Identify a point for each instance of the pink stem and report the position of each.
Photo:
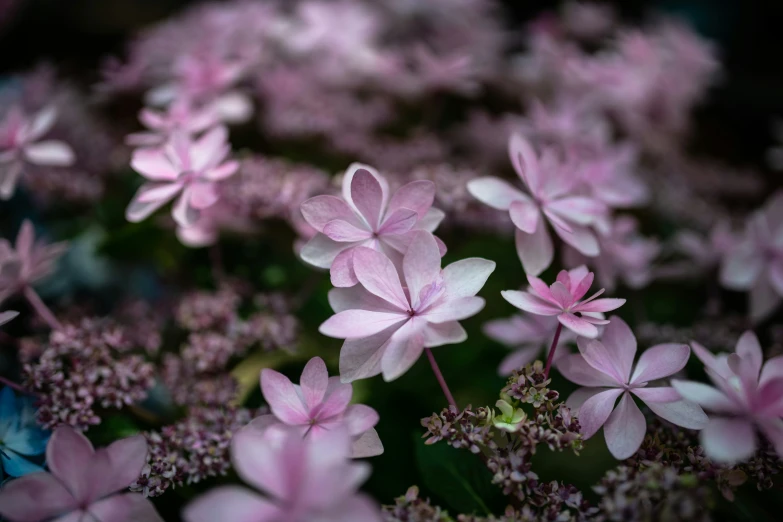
(15, 386)
(41, 309)
(552, 349)
(441, 380)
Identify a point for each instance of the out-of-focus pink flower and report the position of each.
(568, 122)
(450, 72)
(7, 316)
(562, 299)
(20, 143)
(180, 116)
(185, 167)
(318, 404)
(702, 254)
(747, 396)
(551, 199)
(387, 327)
(604, 369)
(27, 262)
(303, 480)
(625, 255)
(756, 262)
(610, 175)
(367, 217)
(588, 20)
(527, 335)
(83, 483)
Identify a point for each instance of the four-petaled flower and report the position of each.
(319, 403)
(83, 483)
(386, 326)
(747, 396)
(186, 167)
(562, 299)
(604, 368)
(367, 217)
(20, 143)
(551, 197)
(303, 480)
(20, 436)
(180, 116)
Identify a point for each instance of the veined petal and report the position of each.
(596, 410)
(404, 349)
(313, 382)
(233, 503)
(438, 334)
(321, 251)
(281, 396)
(454, 309)
(417, 196)
(421, 264)
(343, 231)
(355, 324)
(400, 221)
(153, 164)
(361, 358)
(530, 303)
(368, 196)
(574, 368)
(525, 215)
(660, 361)
(377, 274)
(320, 210)
(495, 192)
(620, 342)
(466, 277)
(578, 325)
(624, 430)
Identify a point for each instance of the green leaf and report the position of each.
(457, 477)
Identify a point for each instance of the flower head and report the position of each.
(550, 197)
(318, 404)
(367, 217)
(20, 143)
(190, 169)
(303, 479)
(81, 482)
(563, 299)
(605, 369)
(386, 326)
(747, 396)
(20, 436)
(180, 116)
(27, 261)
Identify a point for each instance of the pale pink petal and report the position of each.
(431, 221)
(360, 418)
(581, 284)
(203, 195)
(525, 215)
(342, 273)
(535, 250)
(597, 356)
(600, 305)
(561, 295)
(351, 171)
(595, 410)
(581, 238)
(524, 160)
(741, 268)
(577, 370)
(361, 358)
(368, 196)
(234, 107)
(619, 341)
(416, 196)
(313, 382)
(466, 277)
(404, 349)
(450, 332)
(454, 310)
(9, 177)
(357, 297)
(709, 360)
(66, 455)
(222, 171)
(773, 431)
(35, 497)
(624, 430)
(25, 239)
(321, 251)
(281, 396)
(335, 402)
(728, 440)
(540, 289)
(772, 369)
(367, 445)
(320, 210)
(530, 303)
(210, 149)
(495, 192)
(749, 349)
(343, 231)
(258, 459)
(378, 275)
(52, 153)
(776, 277)
(578, 325)
(153, 164)
(233, 503)
(660, 361)
(399, 222)
(421, 264)
(769, 398)
(763, 300)
(130, 507)
(118, 465)
(578, 209)
(139, 210)
(152, 192)
(184, 213)
(666, 403)
(7, 316)
(511, 331)
(42, 122)
(580, 396)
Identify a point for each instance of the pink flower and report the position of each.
(303, 480)
(83, 483)
(7, 316)
(27, 262)
(604, 368)
(367, 217)
(527, 335)
(756, 262)
(180, 116)
(386, 326)
(185, 167)
(20, 143)
(562, 299)
(319, 404)
(747, 396)
(610, 174)
(550, 198)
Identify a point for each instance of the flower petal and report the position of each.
(154, 165)
(597, 356)
(313, 382)
(581, 238)
(529, 303)
(367, 445)
(495, 192)
(525, 161)
(660, 361)
(682, 413)
(360, 418)
(367, 196)
(417, 196)
(233, 503)
(130, 507)
(118, 465)
(454, 309)
(342, 274)
(52, 153)
(728, 440)
(377, 274)
(399, 222)
(620, 342)
(624, 430)
(525, 215)
(421, 264)
(320, 210)
(336, 401)
(139, 210)
(580, 396)
(345, 232)
(748, 348)
(39, 496)
(404, 349)
(281, 396)
(595, 410)
(66, 455)
(578, 325)
(466, 277)
(535, 250)
(321, 251)
(361, 358)
(450, 332)
(574, 368)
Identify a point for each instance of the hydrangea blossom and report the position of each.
(27, 262)
(184, 167)
(550, 198)
(318, 404)
(20, 436)
(20, 143)
(387, 327)
(746, 397)
(755, 264)
(527, 335)
(605, 367)
(180, 116)
(303, 480)
(367, 217)
(563, 299)
(82, 482)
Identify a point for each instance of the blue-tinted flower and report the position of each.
(20, 437)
